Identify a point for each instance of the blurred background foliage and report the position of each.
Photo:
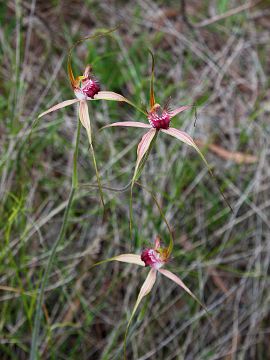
(214, 54)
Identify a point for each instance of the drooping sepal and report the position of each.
(145, 290)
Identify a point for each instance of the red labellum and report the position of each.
(90, 86)
(87, 86)
(156, 257)
(159, 118)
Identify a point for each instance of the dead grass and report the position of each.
(220, 63)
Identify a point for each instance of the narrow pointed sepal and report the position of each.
(179, 110)
(145, 290)
(143, 147)
(126, 258)
(179, 282)
(130, 258)
(135, 124)
(85, 120)
(58, 106)
(110, 95)
(180, 135)
(113, 96)
(187, 139)
(184, 137)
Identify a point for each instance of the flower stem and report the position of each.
(75, 157)
(40, 299)
(96, 171)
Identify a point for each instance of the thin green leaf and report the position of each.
(171, 243)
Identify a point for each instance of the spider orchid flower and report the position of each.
(87, 87)
(154, 258)
(159, 120)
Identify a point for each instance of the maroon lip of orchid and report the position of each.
(154, 257)
(90, 86)
(87, 86)
(159, 118)
(159, 121)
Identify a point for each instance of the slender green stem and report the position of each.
(96, 170)
(136, 107)
(171, 242)
(40, 299)
(75, 157)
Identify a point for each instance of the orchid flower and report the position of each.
(86, 87)
(159, 120)
(155, 258)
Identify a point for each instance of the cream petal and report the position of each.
(84, 117)
(85, 120)
(187, 139)
(129, 258)
(110, 95)
(129, 124)
(179, 282)
(145, 290)
(182, 136)
(144, 145)
(59, 106)
(126, 258)
(179, 110)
